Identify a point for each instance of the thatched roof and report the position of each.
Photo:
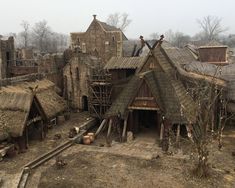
(179, 56)
(124, 63)
(226, 72)
(16, 101)
(51, 102)
(164, 92)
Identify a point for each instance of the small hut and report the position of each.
(25, 110)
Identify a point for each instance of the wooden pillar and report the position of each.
(178, 134)
(124, 130)
(189, 131)
(165, 141)
(131, 120)
(161, 133)
(108, 139)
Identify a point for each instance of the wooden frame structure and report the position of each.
(100, 89)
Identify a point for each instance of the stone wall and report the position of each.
(7, 55)
(76, 75)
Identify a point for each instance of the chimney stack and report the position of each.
(94, 16)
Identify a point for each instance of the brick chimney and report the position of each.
(94, 16)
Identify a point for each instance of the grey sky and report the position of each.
(147, 16)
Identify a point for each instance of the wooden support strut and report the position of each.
(100, 127)
(108, 140)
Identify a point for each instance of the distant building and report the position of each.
(100, 39)
(7, 55)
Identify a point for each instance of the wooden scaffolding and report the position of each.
(100, 89)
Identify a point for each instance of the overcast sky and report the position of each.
(147, 16)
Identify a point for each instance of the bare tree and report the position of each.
(211, 27)
(25, 33)
(178, 39)
(118, 20)
(41, 32)
(154, 35)
(210, 107)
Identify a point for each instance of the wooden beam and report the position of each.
(100, 127)
(38, 118)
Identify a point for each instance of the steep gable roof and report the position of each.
(161, 88)
(109, 28)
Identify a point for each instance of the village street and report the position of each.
(139, 163)
(10, 168)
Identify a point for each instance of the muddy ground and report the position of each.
(94, 166)
(10, 168)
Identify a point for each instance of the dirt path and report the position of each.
(138, 164)
(10, 168)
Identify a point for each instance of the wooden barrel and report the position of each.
(92, 136)
(86, 140)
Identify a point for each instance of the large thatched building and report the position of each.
(158, 95)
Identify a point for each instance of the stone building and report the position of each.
(6, 56)
(76, 75)
(100, 39)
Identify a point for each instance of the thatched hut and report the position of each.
(25, 110)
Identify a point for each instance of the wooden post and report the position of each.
(178, 134)
(26, 137)
(189, 132)
(100, 127)
(131, 120)
(108, 139)
(124, 130)
(161, 133)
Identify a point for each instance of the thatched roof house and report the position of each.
(155, 94)
(26, 101)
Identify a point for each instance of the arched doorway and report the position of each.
(84, 103)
